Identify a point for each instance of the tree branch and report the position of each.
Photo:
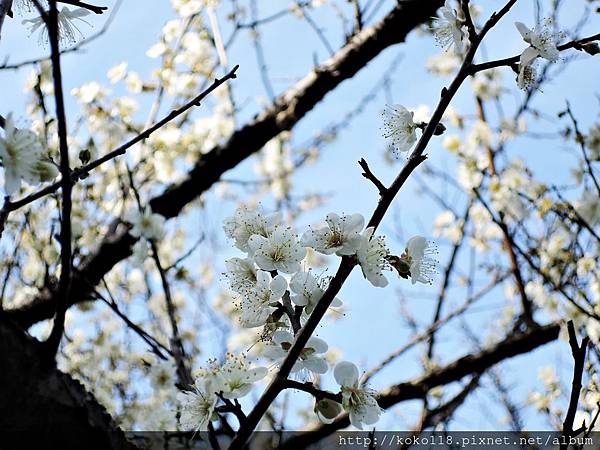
(348, 263)
(369, 175)
(472, 364)
(578, 353)
(66, 185)
(59, 409)
(282, 115)
(513, 60)
(95, 9)
(312, 390)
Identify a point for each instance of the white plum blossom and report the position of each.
(186, 8)
(306, 291)
(279, 251)
(67, 30)
(310, 359)
(117, 73)
(21, 155)
(541, 43)
(89, 92)
(449, 29)
(488, 85)
(448, 225)
(371, 256)
(418, 255)
(247, 222)
(399, 127)
(198, 405)
(257, 302)
(148, 225)
(233, 379)
(358, 402)
(161, 374)
(241, 274)
(341, 235)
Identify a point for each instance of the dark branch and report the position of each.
(369, 175)
(417, 389)
(312, 390)
(95, 9)
(66, 186)
(578, 352)
(514, 60)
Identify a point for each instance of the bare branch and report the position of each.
(476, 363)
(581, 141)
(578, 352)
(95, 9)
(369, 175)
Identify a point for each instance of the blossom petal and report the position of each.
(315, 364)
(525, 32)
(528, 55)
(318, 345)
(278, 287)
(346, 374)
(281, 336)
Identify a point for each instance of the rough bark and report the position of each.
(42, 407)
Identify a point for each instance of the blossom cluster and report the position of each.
(450, 31)
(228, 381)
(275, 288)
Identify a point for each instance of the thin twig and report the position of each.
(447, 275)
(177, 350)
(464, 4)
(185, 376)
(369, 175)
(581, 141)
(526, 304)
(154, 344)
(82, 172)
(95, 9)
(312, 390)
(514, 60)
(4, 212)
(578, 353)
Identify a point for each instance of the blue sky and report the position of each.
(290, 48)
